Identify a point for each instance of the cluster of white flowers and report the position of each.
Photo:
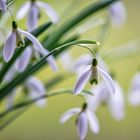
(87, 68)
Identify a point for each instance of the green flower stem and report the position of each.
(48, 95)
(32, 69)
(5, 122)
(57, 34)
(36, 33)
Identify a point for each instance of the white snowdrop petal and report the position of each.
(23, 61)
(82, 125)
(9, 47)
(135, 84)
(134, 98)
(37, 89)
(34, 40)
(118, 13)
(93, 122)
(10, 74)
(3, 5)
(40, 102)
(134, 91)
(108, 80)
(50, 60)
(81, 82)
(36, 85)
(116, 104)
(49, 11)
(10, 99)
(67, 115)
(32, 19)
(23, 11)
(40, 49)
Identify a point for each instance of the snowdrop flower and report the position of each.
(15, 39)
(84, 116)
(36, 89)
(21, 64)
(134, 92)
(118, 13)
(115, 102)
(91, 74)
(3, 5)
(29, 54)
(33, 9)
(10, 74)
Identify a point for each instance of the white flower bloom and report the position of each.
(92, 74)
(23, 61)
(3, 5)
(134, 91)
(15, 39)
(33, 15)
(10, 74)
(102, 94)
(84, 116)
(23, 10)
(49, 11)
(33, 9)
(36, 89)
(29, 53)
(9, 47)
(118, 13)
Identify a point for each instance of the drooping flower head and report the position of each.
(84, 117)
(33, 88)
(102, 95)
(15, 39)
(92, 74)
(33, 9)
(36, 89)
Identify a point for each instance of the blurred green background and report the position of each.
(43, 123)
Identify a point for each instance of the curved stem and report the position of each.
(12, 15)
(30, 102)
(93, 53)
